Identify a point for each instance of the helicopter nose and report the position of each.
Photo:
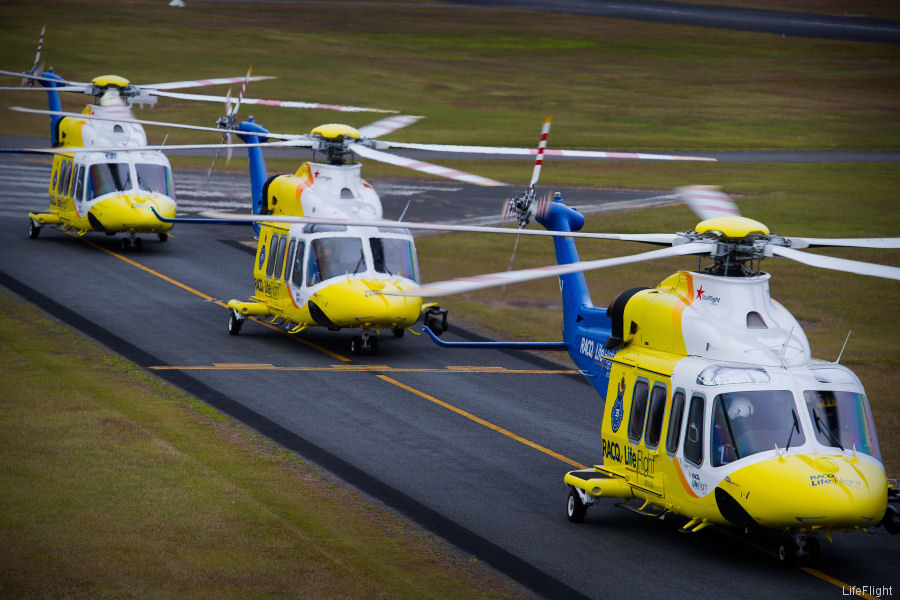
(805, 491)
(362, 303)
(127, 212)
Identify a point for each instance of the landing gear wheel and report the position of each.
(126, 244)
(364, 344)
(575, 508)
(435, 319)
(356, 345)
(163, 237)
(398, 332)
(373, 346)
(34, 229)
(234, 323)
(137, 244)
(783, 551)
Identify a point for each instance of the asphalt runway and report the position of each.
(471, 444)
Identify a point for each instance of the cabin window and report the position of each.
(842, 419)
(333, 257)
(297, 272)
(638, 411)
(78, 189)
(395, 256)
(67, 180)
(106, 178)
(675, 416)
(273, 250)
(693, 439)
(63, 178)
(55, 175)
(655, 416)
(279, 262)
(154, 178)
(745, 423)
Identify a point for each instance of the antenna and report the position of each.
(841, 353)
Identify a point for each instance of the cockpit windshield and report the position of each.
(842, 420)
(333, 257)
(395, 256)
(106, 178)
(745, 423)
(154, 178)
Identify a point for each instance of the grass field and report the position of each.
(480, 77)
(117, 485)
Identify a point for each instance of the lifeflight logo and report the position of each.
(701, 295)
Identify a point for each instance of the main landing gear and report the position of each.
(235, 322)
(132, 243)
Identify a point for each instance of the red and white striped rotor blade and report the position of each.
(37, 57)
(548, 152)
(708, 201)
(175, 85)
(279, 103)
(386, 125)
(542, 145)
(424, 167)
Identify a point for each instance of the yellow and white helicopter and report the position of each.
(325, 257)
(95, 184)
(714, 408)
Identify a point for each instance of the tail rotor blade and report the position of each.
(539, 158)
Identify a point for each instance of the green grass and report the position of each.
(117, 485)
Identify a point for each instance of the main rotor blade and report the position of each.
(662, 238)
(175, 85)
(161, 147)
(280, 103)
(547, 152)
(386, 125)
(805, 242)
(418, 165)
(146, 122)
(40, 78)
(837, 264)
(707, 201)
(65, 88)
(480, 282)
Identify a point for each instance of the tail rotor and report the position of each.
(228, 123)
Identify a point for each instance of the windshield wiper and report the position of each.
(821, 426)
(794, 427)
(362, 258)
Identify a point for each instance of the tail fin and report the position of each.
(53, 102)
(255, 134)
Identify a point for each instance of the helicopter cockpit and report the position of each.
(110, 177)
(824, 407)
(337, 252)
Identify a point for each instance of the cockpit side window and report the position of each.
(333, 257)
(78, 188)
(297, 272)
(638, 411)
(64, 178)
(693, 440)
(395, 256)
(842, 420)
(273, 250)
(106, 178)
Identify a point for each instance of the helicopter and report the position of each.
(325, 257)
(714, 409)
(96, 186)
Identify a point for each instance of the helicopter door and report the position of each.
(78, 189)
(648, 405)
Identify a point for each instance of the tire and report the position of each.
(356, 345)
(34, 229)
(126, 244)
(138, 244)
(575, 508)
(234, 324)
(373, 346)
(398, 332)
(163, 237)
(783, 552)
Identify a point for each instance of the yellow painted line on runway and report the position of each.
(360, 369)
(209, 298)
(481, 421)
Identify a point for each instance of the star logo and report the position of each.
(316, 174)
(700, 292)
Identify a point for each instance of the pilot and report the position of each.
(739, 409)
